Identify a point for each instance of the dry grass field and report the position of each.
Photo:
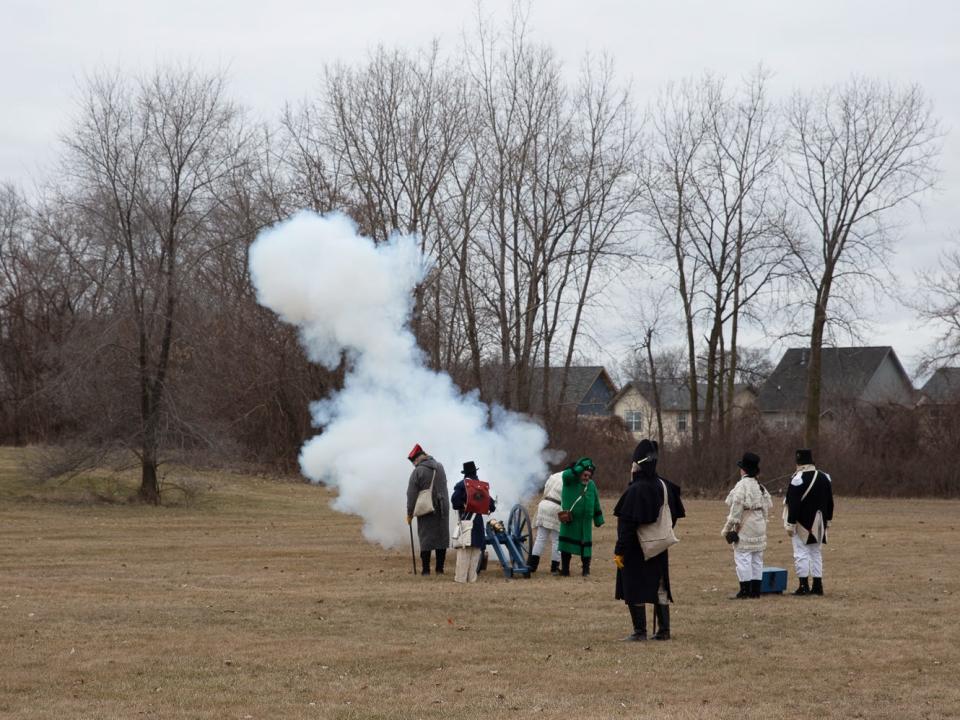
(255, 600)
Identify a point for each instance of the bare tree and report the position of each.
(519, 186)
(858, 152)
(679, 130)
(381, 143)
(939, 305)
(736, 224)
(608, 194)
(556, 186)
(524, 136)
(16, 295)
(144, 159)
(649, 361)
(753, 366)
(42, 291)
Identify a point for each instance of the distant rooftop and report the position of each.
(943, 387)
(846, 372)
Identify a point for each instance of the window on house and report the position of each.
(681, 422)
(634, 420)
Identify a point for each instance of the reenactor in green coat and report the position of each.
(579, 513)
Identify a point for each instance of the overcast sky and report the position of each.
(274, 51)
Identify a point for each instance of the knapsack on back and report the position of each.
(478, 496)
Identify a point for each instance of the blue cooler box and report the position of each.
(774, 580)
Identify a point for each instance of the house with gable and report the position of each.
(636, 404)
(943, 388)
(587, 393)
(853, 379)
(939, 402)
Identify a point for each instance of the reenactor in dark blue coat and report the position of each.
(808, 511)
(642, 580)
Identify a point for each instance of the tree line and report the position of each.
(127, 317)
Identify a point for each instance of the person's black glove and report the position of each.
(732, 537)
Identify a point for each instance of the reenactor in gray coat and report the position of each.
(433, 528)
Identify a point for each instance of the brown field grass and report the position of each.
(257, 601)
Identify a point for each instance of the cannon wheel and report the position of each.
(521, 530)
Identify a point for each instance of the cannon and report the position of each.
(512, 542)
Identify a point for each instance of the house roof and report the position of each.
(674, 394)
(579, 381)
(943, 387)
(845, 374)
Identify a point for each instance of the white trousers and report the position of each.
(807, 559)
(467, 561)
(543, 536)
(749, 564)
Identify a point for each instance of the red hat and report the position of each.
(417, 450)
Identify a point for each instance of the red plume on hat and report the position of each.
(417, 450)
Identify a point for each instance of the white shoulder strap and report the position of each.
(806, 492)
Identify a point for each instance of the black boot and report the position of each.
(638, 614)
(661, 614)
(441, 559)
(425, 561)
(804, 588)
(586, 565)
(565, 564)
(755, 588)
(744, 591)
(482, 565)
(554, 567)
(817, 586)
(533, 562)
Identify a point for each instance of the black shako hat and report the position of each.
(645, 451)
(804, 457)
(469, 469)
(750, 463)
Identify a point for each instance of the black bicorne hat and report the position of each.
(804, 457)
(469, 469)
(645, 451)
(750, 463)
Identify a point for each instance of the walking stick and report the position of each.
(413, 555)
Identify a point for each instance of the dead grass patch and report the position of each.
(259, 601)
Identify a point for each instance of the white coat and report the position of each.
(750, 505)
(550, 504)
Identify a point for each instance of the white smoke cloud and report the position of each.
(350, 296)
